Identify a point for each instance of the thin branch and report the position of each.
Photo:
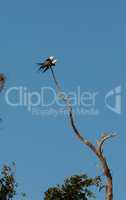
(98, 151)
(71, 115)
(105, 137)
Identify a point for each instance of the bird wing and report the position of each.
(39, 64)
(42, 65)
(48, 59)
(45, 69)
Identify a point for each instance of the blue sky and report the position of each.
(88, 38)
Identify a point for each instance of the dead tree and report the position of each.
(96, 149)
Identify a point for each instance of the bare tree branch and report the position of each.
(2, 81)
(97, 150)
(104, 137)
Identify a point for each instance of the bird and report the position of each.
(48, 63)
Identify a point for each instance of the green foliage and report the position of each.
(7, 182)
(74, 188)
(78, 187)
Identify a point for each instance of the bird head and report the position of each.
(51, 57)
(54, 62)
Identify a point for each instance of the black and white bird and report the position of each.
(48, 63)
